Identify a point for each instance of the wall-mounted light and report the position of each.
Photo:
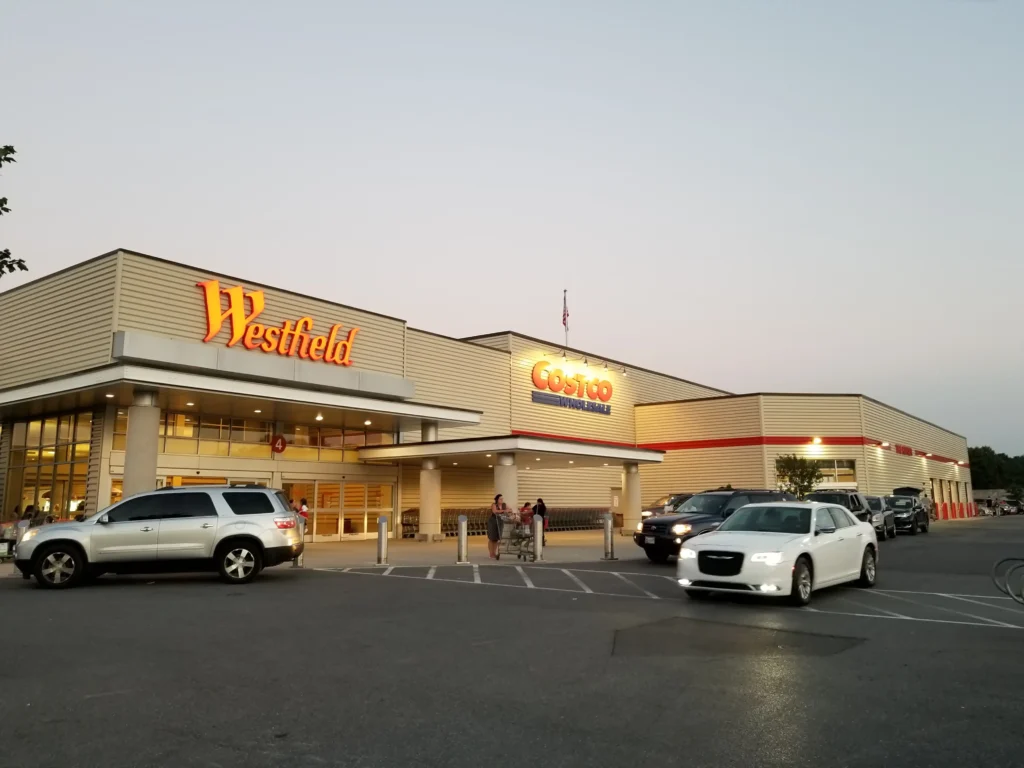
(816, 441)
(367, 422)
(885, 445)
(319, 417)
(928, 455)
(189, 404)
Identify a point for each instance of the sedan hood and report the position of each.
(745, 541)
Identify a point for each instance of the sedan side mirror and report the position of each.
(104, 519)
(820, 531)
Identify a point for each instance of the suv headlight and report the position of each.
(639, 527)
(680, 528)
(686, 554)
(768, 558)
(876, 518)
(30, 534)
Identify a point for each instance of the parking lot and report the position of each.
(597, 664)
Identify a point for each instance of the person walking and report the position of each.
(494, 527)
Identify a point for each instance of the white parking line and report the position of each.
(476, 573)
(950, 610)
(579, 583)
(999, 625)
(873, 608)
(940, 594)
(1018, 611)
(525, 577)
(649, 594)
(431, 572)
(389, 570)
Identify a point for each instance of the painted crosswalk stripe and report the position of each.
(635, 586)
(579, 583)
(432, 571)
(525, 577)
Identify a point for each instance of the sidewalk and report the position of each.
(570, 547)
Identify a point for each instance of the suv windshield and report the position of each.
(875, 503)
(769, 520)
(704, 503)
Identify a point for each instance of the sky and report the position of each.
(757, 195)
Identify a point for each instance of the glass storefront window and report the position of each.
(83, 428)
(64, 425)
(34, 430)
(837, 470)
(48, 468)
(120, 430)
(49, 431)
(18, 435)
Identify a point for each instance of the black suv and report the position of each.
(854, 501)
(661, 536)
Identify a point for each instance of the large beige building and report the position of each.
(157, 373)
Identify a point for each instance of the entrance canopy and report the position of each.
(529, 452)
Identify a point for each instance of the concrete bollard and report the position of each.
(538, 538)
(382, 540)
(463, 553)
(609, 539)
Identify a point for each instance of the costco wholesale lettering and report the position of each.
(288, 339)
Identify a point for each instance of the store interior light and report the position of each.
(189, 404)
(110, 395)
(319, 417)
(455, 463)
(487, 455)
(367, 422)
(257, 411)
(490, 466)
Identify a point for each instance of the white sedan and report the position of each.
(784, 549)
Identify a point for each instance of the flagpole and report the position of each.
(565, 316)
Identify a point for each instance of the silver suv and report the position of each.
(237, 531)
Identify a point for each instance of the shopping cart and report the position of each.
(516, 537)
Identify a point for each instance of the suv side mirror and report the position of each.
(819, 531)
(104, 519)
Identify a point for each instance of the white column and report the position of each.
(506, 479)
(428, 431)
(430, 502)
(630, 506)
(142, 444)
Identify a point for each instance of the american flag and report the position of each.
(565, 310)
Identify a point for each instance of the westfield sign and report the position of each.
(290, 339)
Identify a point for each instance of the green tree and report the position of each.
(797, 475)
(7, 263)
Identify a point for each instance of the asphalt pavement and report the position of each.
(589, 664)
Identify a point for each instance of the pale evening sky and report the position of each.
(758, 195)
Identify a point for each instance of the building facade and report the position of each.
(156, 373)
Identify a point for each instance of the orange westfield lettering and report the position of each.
(578, 385)
(290, 339)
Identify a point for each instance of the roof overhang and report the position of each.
(530, 452)
(287, 403)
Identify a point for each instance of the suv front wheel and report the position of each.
(239, 562)
(59, 566)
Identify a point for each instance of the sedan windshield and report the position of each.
(769, 520)
(900, 502)
(704, 503)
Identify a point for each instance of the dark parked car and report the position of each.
(909, 513)
(661, 536)
(666, 505)
(882, 517)
(853, 500)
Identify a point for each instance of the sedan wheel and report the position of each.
(803, 583)
(868, 568)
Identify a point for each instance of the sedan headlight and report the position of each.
(768, 558)
(680, 528)
(30, 534)
(686, 554)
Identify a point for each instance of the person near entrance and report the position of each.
(498, 508)
(540, 509)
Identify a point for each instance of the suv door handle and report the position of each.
(206, 525)
(147, 529)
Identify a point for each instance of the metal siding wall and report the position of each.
(92, 480)
(618, 426)
(854, 452)
(583, 487)
(890, 470)
(5, 457)
(59, 325)
(702, 469)
(460, 488)
(889, 425)
(502, 341)
(460, 375)
(162, 298)
(702, 420)
(796, 416)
